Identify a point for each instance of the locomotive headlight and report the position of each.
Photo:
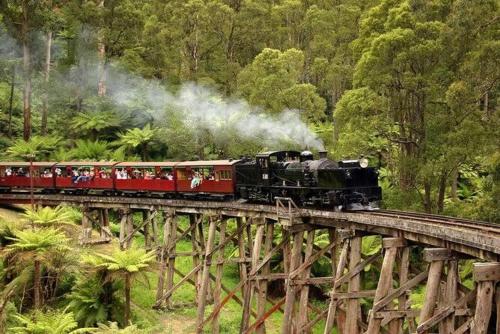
(363, 162)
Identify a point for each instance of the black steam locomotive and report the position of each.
(349, 184)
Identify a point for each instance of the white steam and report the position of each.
(201, 108)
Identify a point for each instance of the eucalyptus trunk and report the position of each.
(11, 98)
(27, 76)
(441, 192)
(427, 196)
(101, 51)
(45, 106)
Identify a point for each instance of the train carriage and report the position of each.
(214, 178)
(145, 177)
(17, 175)
(76, 176)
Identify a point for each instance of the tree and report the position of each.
(273, 82)
(91, 150)
(22, 18)
(138, 138)
(47, 216)
(94, 122)
(127, 265)
(37, 245)
(411, 98)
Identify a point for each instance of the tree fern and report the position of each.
(127, 264)
(48, 322)
(47, 216)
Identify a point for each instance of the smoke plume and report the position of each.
(203, 108)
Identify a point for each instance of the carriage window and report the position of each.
(204, 173)
(224, 175)
(47, 173)
(166, 173)
(103, 173)
(19, 171)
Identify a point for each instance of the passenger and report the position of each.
(136, 174)
(8, 171)
(75, 176)
(124, 174)
(58, 172)
(196, 181)
(47, 173)
(211, 176)
(91, 175)
(170, 176)
(148, 175)
(103, 174)
(21, 172)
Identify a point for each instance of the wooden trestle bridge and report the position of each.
(262, 232)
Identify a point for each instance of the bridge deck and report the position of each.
(476, 239)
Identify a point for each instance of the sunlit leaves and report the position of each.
(48, 216)
(37, 148)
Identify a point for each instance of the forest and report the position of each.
(413, 85)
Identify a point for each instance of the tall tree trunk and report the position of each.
(101, 50)
(27, 75)
(454, 184)
(441, 191)
(11, 98)
(127, 299)
(45, 106)
(37, 282)
(427, 196)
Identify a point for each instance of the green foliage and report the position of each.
(138, 138)
(272, 80)
(47, 216)
(37, 148)
(93, 301)
(94, 122)
(132, 260)
(91, 150)
(47, 322)
(36, 243)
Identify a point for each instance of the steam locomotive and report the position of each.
(348, 184)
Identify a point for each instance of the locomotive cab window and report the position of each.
(263, 163)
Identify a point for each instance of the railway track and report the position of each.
(442, 220)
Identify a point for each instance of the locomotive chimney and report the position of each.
(323, 154)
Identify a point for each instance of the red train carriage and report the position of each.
(17, 175)
(215, 178)
(73, 176)
(145, 177)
